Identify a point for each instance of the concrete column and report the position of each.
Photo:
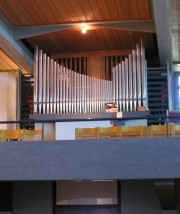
(139, 197)
(33, 197)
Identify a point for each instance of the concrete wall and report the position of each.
(92, 159)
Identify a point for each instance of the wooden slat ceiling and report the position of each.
(6, 64)
(22, 13)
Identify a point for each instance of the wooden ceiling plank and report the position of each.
(10, 13)
(117, 39)
(124, 37)
(63, 10)
(54, 42)
(104, 10)
(72, 40)
(87, 10)
(113, 10)
(45, 12)
(95, 40)
(120, 10)
(116, 46)
(134, 9)
(6, 62)
(95, 9)
(88, 41)
(77, 8)
(25, 18)
(91, 53)
(126, 8)
(144, 9)
(82, 41)
(70, 11)
(101, 39)
(31, 13)
(109, 40)
(35, 12)
(137, 37)
(54, 7)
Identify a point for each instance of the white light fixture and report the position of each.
(84, 29)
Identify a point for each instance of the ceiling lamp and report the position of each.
(84, 29)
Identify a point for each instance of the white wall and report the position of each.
(8, 91)
(86, 192)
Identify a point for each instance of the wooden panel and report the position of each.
(96, 66)
(7, 64)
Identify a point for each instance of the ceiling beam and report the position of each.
(137, 25)
(15, 49)
(162, 20)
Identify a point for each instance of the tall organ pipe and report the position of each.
(58, 90)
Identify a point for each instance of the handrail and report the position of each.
(162, 118)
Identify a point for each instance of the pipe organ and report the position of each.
(130, 81)
(58, 90)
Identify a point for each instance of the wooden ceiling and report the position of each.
(6, 64)
(29, 13)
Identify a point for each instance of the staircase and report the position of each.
(157, 86)
(27, 91)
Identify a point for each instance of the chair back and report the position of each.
(162, 130)
(146, 131)
(176, 131)
(10, 135)
(108, 132)
(86, 133)
(31, 135)
(131, 131)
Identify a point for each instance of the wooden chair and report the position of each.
(10, 135)
(86, 133)
(108, 132)
(131, 132)
(0, 135)
(31, 135)
(146, 131)
(162, 130)
(176, 131)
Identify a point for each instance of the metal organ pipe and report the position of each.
(58, 90)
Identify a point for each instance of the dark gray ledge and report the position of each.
(88, 116)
